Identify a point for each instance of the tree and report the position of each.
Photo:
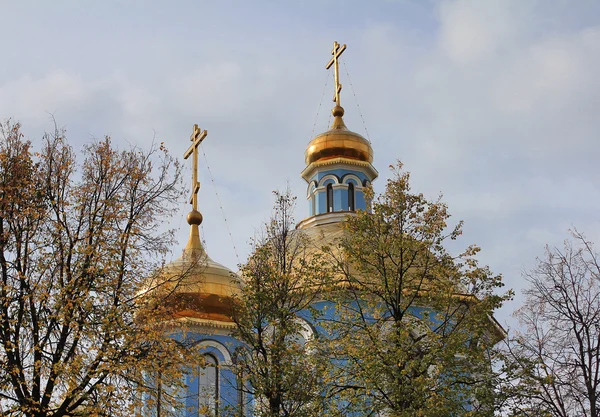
(76, 241)
(414, 327)
(554, 364)
(283, 277)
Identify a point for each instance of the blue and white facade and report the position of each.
(338, 171)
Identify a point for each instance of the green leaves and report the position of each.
(411, 315)
(404, 326)
(283, 277)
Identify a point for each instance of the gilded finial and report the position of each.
(336, 52)
(194, 218)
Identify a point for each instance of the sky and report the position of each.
(492, 103)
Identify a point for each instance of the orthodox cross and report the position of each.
(336, 52)
(197, 137)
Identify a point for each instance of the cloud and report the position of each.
(494, 103)
(496, 107)
(472, 30)
(37, 96)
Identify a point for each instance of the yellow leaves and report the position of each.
(75, 246)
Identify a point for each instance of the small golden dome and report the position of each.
(204, 289)
(338, 142)
(194, 286)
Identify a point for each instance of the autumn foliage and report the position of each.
(77, 238)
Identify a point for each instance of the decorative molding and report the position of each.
(310, 189)
(223, 328)
(340, 187)
(341, 163)
(325, 218)
(316, 191)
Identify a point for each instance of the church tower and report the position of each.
(198, 295)
(338, 165)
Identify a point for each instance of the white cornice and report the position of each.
(335, 163)
(325, 218)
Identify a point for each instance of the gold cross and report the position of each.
(336, 52)
(197, 137)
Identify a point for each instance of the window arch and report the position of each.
(306, 334)
(329, 198)
(351, 204)
(208, 387)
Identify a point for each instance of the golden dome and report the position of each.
(194, 286)
(338, 142)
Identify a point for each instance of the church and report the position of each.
(339, 168)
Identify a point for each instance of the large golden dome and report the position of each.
(338, 142)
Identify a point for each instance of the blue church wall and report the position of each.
(222, 349)
(326, 311)
(338, 198)
(321, 202)
(360, 202)
(427, 316)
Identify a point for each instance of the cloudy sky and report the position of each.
(495, 104)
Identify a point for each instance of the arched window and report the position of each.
(329, 198)
(208, 387)
(350, 197)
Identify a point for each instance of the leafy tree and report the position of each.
(76, 241)
(413, 331)
(283, 277)
(553, 366)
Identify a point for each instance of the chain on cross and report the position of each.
(197, 137)
(336, 52)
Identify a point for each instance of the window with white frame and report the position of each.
(351, 204)
(208, 387)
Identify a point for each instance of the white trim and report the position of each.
(306, 330)
(319, 189)
(220, 347)
(325, 218)
(336, 186)
(310, 190)
(327, 177)
(352, 177)
(315, 191)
